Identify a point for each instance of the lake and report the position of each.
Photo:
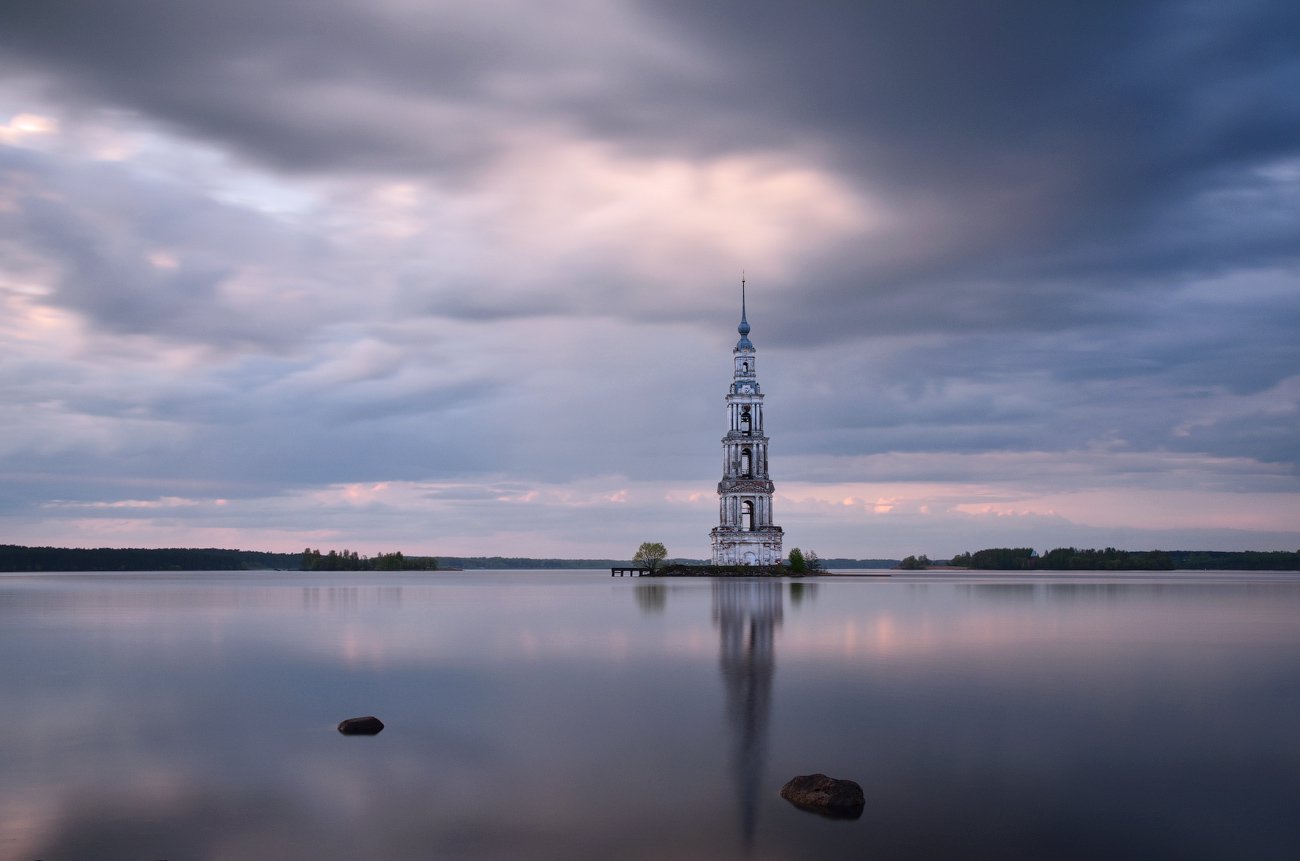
(571, 715)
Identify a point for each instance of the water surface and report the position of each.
(574, 715)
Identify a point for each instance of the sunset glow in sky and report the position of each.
(463, 278)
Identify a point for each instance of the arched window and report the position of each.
(746, 516)
(744, 419)
(746, 463)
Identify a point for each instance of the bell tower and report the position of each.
(745, 534)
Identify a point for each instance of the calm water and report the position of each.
(565, 715)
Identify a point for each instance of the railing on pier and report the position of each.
(628, 572)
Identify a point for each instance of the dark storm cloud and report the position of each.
(1040, 161)
(1049, 160)
(141, 256)
(372, 87)
(1017, 97)
(243, 72)
(1215, 384)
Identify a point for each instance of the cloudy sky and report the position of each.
(463, 277)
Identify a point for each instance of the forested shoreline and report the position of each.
(1110, 559)
(348, 560)
(16, 558)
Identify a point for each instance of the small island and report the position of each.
(649, 562)
(677, 569)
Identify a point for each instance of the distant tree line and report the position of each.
(14, 557)
(348, 560)
(17, 558)
(1244, 560)
(1110, 559)
(839, 563)
(1064, 559)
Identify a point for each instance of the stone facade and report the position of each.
(745, 534)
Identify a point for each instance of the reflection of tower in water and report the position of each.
(747, 613)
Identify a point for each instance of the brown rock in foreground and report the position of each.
(369, 725)
(838, 799)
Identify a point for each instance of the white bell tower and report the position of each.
(745, 534)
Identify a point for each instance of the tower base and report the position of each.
(733, 546)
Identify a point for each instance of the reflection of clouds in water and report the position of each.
(213, 820)
(209, 732)
(188, 825)
(996, 616)
(747, 613)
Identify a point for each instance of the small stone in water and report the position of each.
(369, 725)
(829, 796)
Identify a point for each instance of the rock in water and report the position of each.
(838, 799)
(369, 725)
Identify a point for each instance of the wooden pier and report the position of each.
(628, 572)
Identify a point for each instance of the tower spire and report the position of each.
(743, 328)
